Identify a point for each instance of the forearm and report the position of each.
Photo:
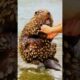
(51, 35)
(57, 29)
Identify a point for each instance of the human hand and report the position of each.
(51, 31)
(46, 29)
(51, 35)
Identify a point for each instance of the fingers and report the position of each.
(51, 35)
(46, 29)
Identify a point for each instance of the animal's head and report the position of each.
(44, 17)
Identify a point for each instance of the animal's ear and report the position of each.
(37, 12)
(48, 13)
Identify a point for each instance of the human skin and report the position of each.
(70, 28)
(51, 31)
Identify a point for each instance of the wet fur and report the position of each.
(34, 45)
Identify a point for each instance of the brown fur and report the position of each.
(34, 45)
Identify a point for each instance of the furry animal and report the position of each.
(34, 45)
